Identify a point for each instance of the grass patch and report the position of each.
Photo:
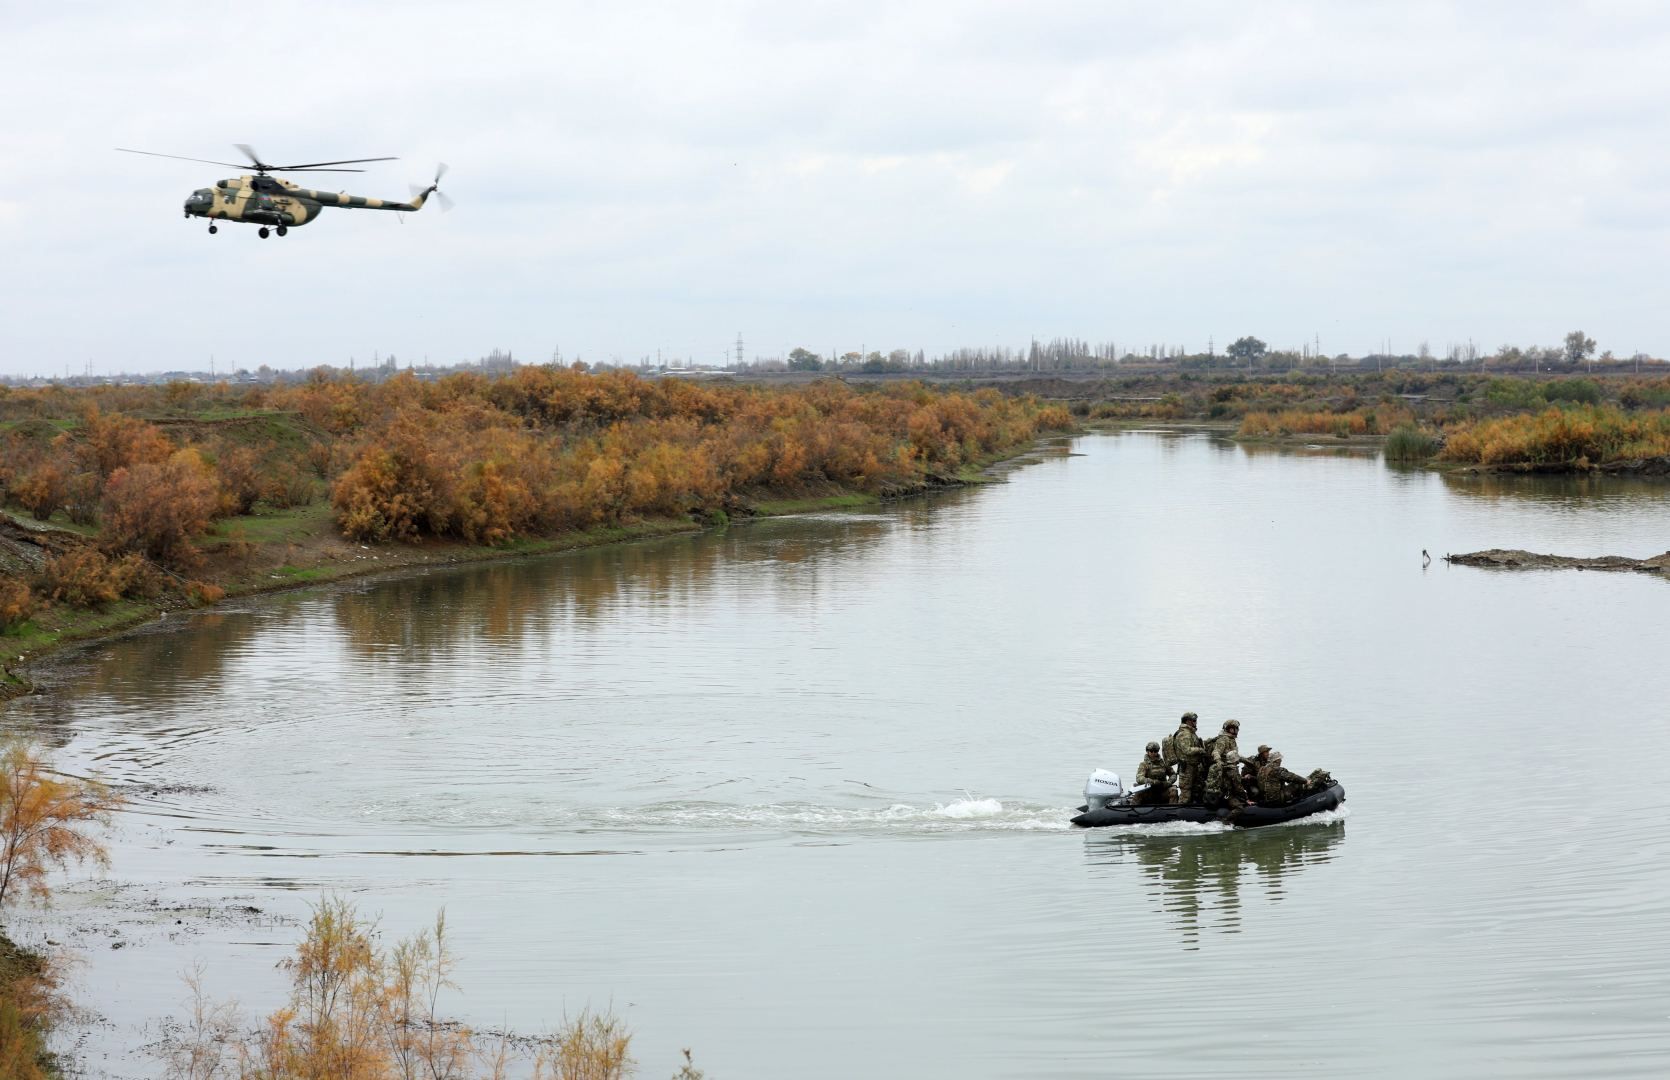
(1409, 443)
(60, 624)
(272, 526)
(304, 573)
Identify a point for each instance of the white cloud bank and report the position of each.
(638, 177)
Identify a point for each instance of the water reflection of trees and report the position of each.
(1198, 878)
(179, 656)
(1320, 448)
(504, 602)
(1558, 489)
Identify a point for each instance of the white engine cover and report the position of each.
(1102, 788)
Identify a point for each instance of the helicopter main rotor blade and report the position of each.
(177, 157)
(316, 164)
(254, 158)
(274, 168)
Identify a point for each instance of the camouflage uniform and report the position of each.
(1157, 775)
(1223, 782)
(1191, 764)
(1224, 744)
(1277, 786)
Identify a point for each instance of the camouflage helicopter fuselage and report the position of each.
(267, 200)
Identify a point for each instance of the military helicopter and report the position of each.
(268, 201)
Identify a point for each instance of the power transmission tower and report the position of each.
(739, 348)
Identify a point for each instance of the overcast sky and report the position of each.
(633, 178)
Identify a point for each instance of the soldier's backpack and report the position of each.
(1168, 749)
(1210, 745)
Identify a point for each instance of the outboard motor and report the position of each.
(1102, 790)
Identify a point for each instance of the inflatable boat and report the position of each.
(1107, 803)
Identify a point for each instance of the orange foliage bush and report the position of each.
(241, 479)
(548, 449)
(114, 441)
(157, 509)
(1596, 433)
(286, 485)
(86, 578)
(42, 490)
(17, 603)
(1356, 421)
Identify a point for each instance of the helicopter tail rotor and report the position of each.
(434, 188)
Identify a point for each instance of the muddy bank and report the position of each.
(1506, 559)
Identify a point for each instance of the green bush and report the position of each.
(1580, 391)
(1516, 393)
(1409, 443)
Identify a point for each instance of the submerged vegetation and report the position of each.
(360, 1011)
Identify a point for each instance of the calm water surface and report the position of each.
(794, 794)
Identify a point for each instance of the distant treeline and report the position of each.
(1247, 355)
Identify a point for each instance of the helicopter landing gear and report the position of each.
(213, 229)
(282, 229)
(263, 233)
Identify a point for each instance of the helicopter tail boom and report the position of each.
(361, 202)
(358, 202)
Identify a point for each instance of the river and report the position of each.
(794, 793)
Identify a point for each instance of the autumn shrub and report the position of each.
(204, 592)
(238, 469)
(287, 485)
(320, 457)
(549, 449)
(1358, 420)
(23, 1053)
(17, 604)
(42, 490)
(1561, 436)
(158, 509)
(30, 1001)
(115, 441)
(47, 821)
(593, 1046)
(86, 578)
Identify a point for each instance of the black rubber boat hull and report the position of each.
(1251, 817)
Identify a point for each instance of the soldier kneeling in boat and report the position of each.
(1153, 771)
(1278, 786)
(1250, 768)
